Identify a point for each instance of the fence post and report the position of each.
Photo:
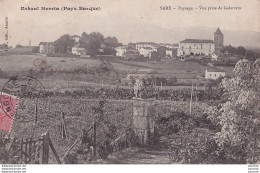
(21, 154)
(45, 150)
(26, 150)
(36, 114)
(94, 139)
(255, 143)
(63, 127)
(54, 152)
(30, 149)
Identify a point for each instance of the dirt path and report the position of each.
(140, 156)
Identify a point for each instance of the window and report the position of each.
(215, 75)
(209, 74)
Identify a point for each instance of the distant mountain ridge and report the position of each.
(175, 35)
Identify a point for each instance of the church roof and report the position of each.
(218, 31)
(196, 41)
(214, 69)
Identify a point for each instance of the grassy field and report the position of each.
(186, 72)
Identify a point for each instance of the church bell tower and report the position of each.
(218, 40)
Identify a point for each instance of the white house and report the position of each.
(120, 51)
(146, 45)
(214, 74)
(145, 51)
(78, 50)
(196, 47)
(46, 47)
(169, 53)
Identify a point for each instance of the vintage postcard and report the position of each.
(129, 82)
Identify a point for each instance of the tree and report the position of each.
(35, 49)
(241, 51)
(237, 116)
(18, 46)
(91, 42)
(84, 41)
(251, 55)
(111, 40)
(64, 44)
(109, 51)
(172, 81)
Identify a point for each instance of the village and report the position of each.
(103, 102)
(217, 60)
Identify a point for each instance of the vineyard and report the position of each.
(79, 113)
(117, 93)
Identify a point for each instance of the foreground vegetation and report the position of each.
(221, 129)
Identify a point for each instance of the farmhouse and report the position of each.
(201, 47)
(151, 45)
(169, 53)
(196, 47)
(107, 45)
(120, 51)
(78, 50)
(145, 51)
(131, 54)
(214, 73)
(46, 47)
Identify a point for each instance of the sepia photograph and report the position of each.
(171, 82)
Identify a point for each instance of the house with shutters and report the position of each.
(214, 73)
(46, 47)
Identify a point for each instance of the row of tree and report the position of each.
(91, 42)
(242, 52)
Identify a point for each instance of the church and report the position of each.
(201, 47)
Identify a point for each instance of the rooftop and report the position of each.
(46, 43)
(196, 41)
(215, 70)
(218, 32)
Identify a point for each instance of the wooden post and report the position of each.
(10, 147)
(191, 98)
(34, 151)
(63, 126)
(45, 149)
(36, 114)
(21, 154)
(30, 149)
(71, 147)
(54, 152)
(255, 143)
(26, 152)
(94, 139)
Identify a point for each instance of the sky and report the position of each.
(128, 20)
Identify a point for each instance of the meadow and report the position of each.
(53, 71)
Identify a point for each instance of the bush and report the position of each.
(194, 147)
(172, 81)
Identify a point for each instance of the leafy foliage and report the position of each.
(63, 44)
(238, 114)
